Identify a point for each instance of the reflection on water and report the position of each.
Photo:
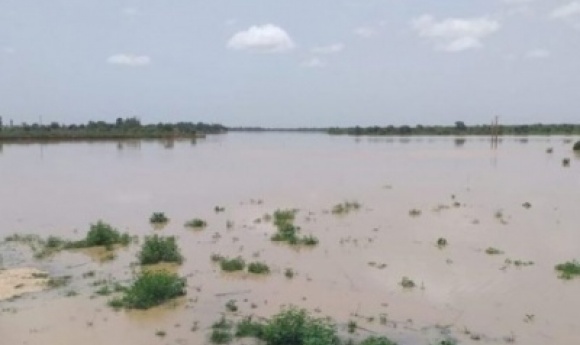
(360, 260)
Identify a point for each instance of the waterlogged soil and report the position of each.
(466, 192)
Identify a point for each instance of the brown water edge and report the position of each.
(463, 288)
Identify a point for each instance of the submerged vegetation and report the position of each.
(346, 207)
(258, 268)
(232, 265)
(568, 270)
(576, 146)
(158, 249)
(158, 218)
(151, 289)
(288, 232)
(493, 251)
(196, 223)
(101, 234)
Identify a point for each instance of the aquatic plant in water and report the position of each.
(158, 249)
(151, 289)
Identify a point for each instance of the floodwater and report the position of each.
(460, 187)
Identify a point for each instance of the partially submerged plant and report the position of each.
(101, 234)
(407, 283)
(351, 326)
(151, 289)
(219, 209)
(158, 249)
(372, 340)
(566, 162)
(414, 212)
(569, 269)
(346, 207)
(258, 268)
(221, 332)
(158, 218)
(289, 273)
(231, 306)
(288, 232)
(196, 223)
(441, 242)
(231, 265)
(493, 251)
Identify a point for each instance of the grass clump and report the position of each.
(231, 306)
(377, 341)
(493, 251)
(288, 232)
(568, 270)
(158, 249)
(151, 289)
(100, 234)
(407, 283)
(441, 242)
(289, 273)
(576, 146)
(232, 265)
(284, 217)
(258, 268)
(158, 218)
(196, 223)
(415, 212)
(219, 209)
(351, 326)
(221, 332)
(296, 326)
(249, 329)
(345, 207)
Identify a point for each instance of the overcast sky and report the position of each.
(291, 63)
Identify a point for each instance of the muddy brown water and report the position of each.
(59, 189)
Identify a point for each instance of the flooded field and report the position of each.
(477, 230)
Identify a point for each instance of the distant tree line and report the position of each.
(122, 128)
(460, 128)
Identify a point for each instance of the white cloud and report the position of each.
(313, 62)
(538, 54)
(330, 49)
(365, 31)
(456, 34)
(566, 11)
(265, 38)
(129, 60)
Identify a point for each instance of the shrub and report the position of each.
(407, 283)
(221, 332)
(158, 218)
(569, 270)
(284, 217)
(377, 341)
(231, 265)
(100, 234)
(249, 328)
(258, 268)
(294, 326)
(219, 209)
(289, 273)
(231, 306)
(151, 289)
(493, 251)
(309, 240)
(441, 242)
(346, 207)
(158, 249)
(576, 146)
(414, 212)
(196, 223)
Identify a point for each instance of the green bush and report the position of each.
(258, 268)
(231, 265)
(100, 234)
(576, 146)
(297, 327)
(158, 249)
(158, 218)
(284, 217)
(221, 332)
(377, 341)
(196, 223)
(151, 289)
(569, 270)
(346, 207)
(249, 328)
